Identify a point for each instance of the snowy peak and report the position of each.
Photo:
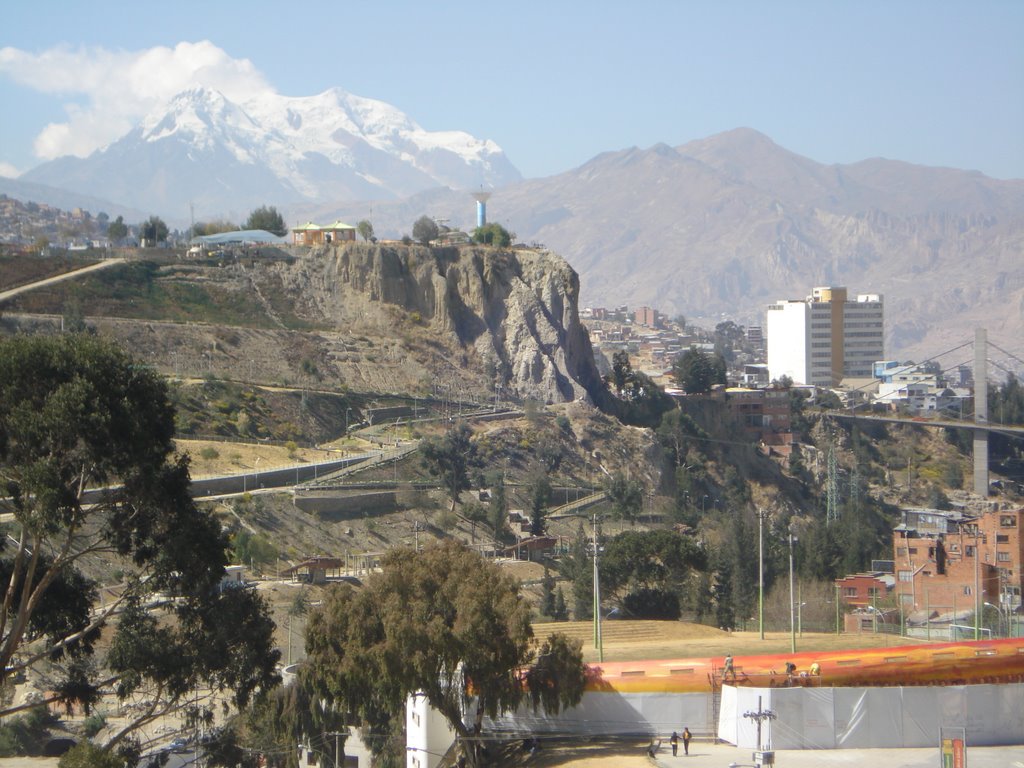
(204, 118)
(330, 147)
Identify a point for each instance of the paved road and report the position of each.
(4, 295)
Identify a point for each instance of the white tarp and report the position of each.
(872, 718)
(608, 713)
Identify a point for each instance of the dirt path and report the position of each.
(9, 294)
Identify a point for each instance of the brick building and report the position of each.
(947, 561)
(861, 590)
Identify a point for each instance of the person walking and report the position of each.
(727, 670)
(674, 741)
(686, 740)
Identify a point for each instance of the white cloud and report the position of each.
(110, 91)
(8, 171)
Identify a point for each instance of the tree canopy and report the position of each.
(425, 229)
(365, 229)
(493, 234)
(647, 571)
(451, 458)
(626, 495)
(267, 218)
(117, 230)
(154, 229)
(446, 623)
(644, 402)
(695, 371)
(88, 474)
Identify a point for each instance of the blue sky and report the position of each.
(553, 83)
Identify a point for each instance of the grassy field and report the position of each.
(637, 640)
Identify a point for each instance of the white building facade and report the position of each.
(825, 338)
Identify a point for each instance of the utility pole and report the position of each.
(977, 586)
(761, 515)
(792, 604)
(759, 717)
(597, 599)
(337, 748)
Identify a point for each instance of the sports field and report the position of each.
(638, 640)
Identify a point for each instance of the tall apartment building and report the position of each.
(825, 338)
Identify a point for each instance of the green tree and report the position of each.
(252, 548)
(578, 567)
(547, 597)
(215, 227)
(540, 495)
(647, 571)
(451, 458)
(645, 402)
(445, 623)
(117, 230)
(425, 229)
(561, 612)
(88, 755)
(622, 372)
(365, 229)
(695, 371)
(86, 459)
(154, 230)
(267, 218)
(626, 495)
(499, 508)
(493, 234)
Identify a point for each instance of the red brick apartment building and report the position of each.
(861, 590)
(949, 561)
(766, 415)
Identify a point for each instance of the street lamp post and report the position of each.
(792, 602)
(977, 586)
(761, 515)
(597, 599)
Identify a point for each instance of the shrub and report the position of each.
(209, 453)
(94, 724)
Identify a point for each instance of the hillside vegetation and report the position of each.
(273, 348)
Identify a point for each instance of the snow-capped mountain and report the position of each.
(225, 158)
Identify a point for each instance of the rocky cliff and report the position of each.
(513, 312)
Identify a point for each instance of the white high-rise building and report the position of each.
(825, 338)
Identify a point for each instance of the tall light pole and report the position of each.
(792, 603)
(977, 586)
(761, 515)
(597, 600)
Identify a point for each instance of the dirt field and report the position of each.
(637, 640)
(242, 457)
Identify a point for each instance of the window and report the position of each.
(874, 592)
(1002, 538)
(906, 576)
(969, 550)
(967, 590)
(913, 550)
(849, 592)
(1003, 557)
(901, 551)
(1008, 521)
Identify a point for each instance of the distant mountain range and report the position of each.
(224, 159)
(721, 227)
(717, 228)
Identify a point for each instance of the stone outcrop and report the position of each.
(515, 308)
